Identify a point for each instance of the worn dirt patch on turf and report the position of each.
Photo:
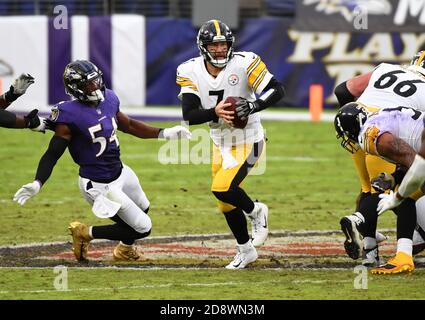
(282, 250)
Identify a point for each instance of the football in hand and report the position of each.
(237, 122)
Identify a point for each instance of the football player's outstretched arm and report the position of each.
(395, 149)
(135, 127)
(31, 121)
(142, 130)
(57, 147)
(17, 89)
(349, 90)
(398, 151)
(415, 176)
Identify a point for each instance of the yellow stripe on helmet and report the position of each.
(217, 27)
(420, 59)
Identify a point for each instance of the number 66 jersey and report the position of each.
(94, 145)
(393, 86)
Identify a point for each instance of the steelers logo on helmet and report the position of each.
(215, 31)
(347, 123)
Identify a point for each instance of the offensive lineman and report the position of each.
(388, 86)
(87, 126)
(394, 134)
(205, 83)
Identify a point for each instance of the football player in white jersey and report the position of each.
(387, 86)
(205, 82)
(394, 134)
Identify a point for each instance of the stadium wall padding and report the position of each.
(139, 55)
(36, 45)
(297, 58)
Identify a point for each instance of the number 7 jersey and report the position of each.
(393, 86)
(244, 75)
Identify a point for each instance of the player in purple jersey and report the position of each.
(9, 119)
(87, 126)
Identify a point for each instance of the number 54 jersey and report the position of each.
(393, 86)
(244, 75)
(94, 145)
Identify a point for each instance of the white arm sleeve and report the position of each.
(414, 177)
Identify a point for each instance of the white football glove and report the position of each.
(27, 191)
(21, 84)
(177, 132)
(388, 201)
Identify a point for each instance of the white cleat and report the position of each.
(370, 258)
(259, 219)
(246, 254)
(380, 237)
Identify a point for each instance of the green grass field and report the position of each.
(309, 184)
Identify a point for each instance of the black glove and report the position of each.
(19, 87)
(384, 181)
(49, 124)
(244, 108)
(32, 120)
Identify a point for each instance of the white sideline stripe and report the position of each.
(188, 237)
(302, 159)
(167, 285)
(269, 158)
(265, 115)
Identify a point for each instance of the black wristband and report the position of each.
(10, 96)
(161, 133)
(343, 95)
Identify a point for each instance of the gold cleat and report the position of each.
(123, 252)
(402, 262)
(80, 239)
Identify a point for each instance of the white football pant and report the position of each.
(129, 193)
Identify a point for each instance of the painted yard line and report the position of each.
(195, 237)
(182, 268)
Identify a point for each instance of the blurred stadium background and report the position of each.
(139, 44)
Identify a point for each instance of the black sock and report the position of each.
(406, 219)
(236, 197)
(367, 207)
(117, 232)
(237, 223)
